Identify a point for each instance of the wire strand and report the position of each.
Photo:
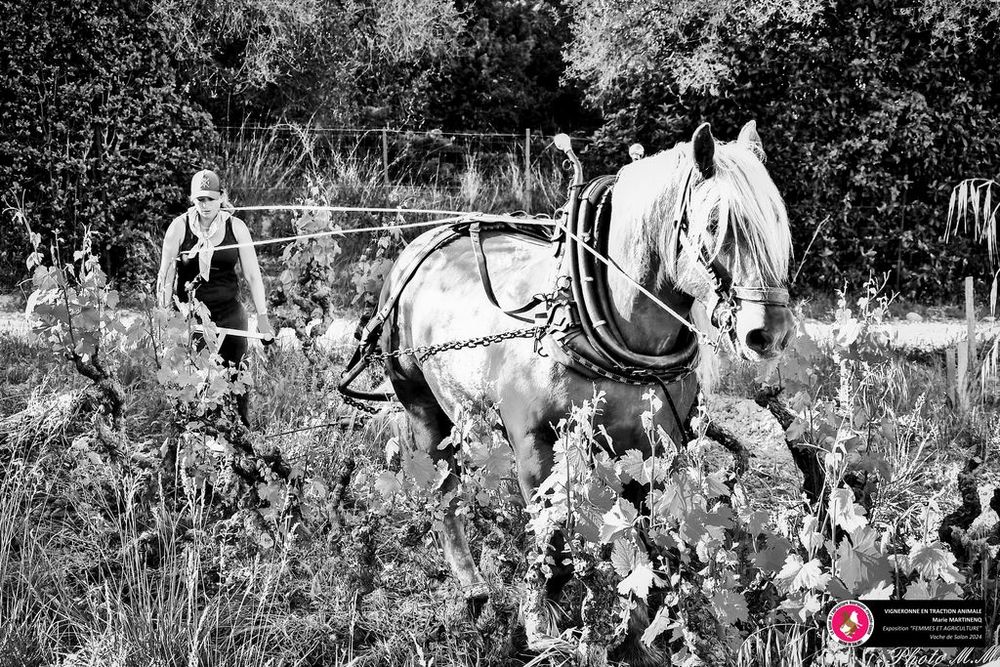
(484, 217)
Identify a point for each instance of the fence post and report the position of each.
(527, 169)
(970, 321)
(951, 382)
(385, 158)
(962, 379)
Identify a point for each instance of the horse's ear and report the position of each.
(703, 150)
(749, 138)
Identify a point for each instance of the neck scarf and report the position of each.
(204, 248)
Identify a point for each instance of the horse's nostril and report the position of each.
(759, 340)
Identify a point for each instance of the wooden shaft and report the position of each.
(970, 320)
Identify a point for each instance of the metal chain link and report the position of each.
(363, 406)
(424, 352)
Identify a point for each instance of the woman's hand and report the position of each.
(265, 329)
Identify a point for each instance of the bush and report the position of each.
(96, 133)
(870, 111)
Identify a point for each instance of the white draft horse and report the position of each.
(734, 216)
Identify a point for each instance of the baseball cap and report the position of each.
(206, 184)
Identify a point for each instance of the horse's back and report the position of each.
(444, 300)
(448, 281)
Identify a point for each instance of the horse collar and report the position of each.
(593, 332)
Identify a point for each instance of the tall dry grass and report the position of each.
(103, 564)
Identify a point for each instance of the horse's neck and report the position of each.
(644, 325)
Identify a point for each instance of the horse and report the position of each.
(678, 219)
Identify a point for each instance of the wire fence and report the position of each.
(391, 158)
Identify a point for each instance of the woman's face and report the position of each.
(207, 207)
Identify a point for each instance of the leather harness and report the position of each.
(576, 315)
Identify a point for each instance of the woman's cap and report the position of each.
(206, 184)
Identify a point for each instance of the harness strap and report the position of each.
(587, 241)
(775, 296)
(367, 335)
(684, 425)
(484, 276)
(443, 236)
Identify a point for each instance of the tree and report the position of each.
(868, 109)
(505, 70)
(95, 132)
(325, 61)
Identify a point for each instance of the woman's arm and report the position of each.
(165, 277)
(251, 271)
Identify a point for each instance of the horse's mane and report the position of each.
(741, 198)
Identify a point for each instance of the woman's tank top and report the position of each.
(220, 292)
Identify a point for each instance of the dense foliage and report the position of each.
(871, 112)
(95, 132)
(466, 65)
(142, 494)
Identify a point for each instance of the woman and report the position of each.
(190, 260)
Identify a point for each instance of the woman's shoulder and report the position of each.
(239, 227)
(181, 220)
(177, 226)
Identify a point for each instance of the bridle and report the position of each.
(728, 295)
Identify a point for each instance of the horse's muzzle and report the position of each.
(775, 331)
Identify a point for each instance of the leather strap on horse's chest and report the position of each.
(579, 354)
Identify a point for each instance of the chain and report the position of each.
(424, 352)
(363, 406)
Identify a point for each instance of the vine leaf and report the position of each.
(847, 514)
(797, 575)
(639, 582)
(635, 467)
(387, 484)
(861, 565)
(933, 560)
(421, 468)
(660, 624)
(729, 606)
(881, 591)
(624, 557)
(772, 557)
(618, 521)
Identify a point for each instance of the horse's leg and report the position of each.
(533, 452)
(601, 610)
(430, 425)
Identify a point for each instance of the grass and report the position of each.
(93, 573)
(103, 563)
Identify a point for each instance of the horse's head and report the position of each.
(732, 242)
(726, 242)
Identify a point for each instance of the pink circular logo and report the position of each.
(851, 622)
